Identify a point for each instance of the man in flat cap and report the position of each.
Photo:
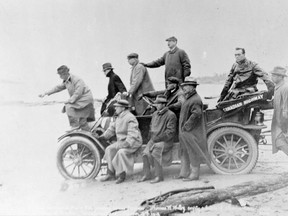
(192, 130)
(243, 78)
(140, 82)
(115, 84)
(119, 155)
(279, 126)
(176, 61)
(80, 106)
(158, 151)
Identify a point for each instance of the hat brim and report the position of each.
(120, 105)
(107, 68)
(275, 73)
(160, 101)
(189, 83)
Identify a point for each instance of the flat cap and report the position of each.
(132, 55)
(62, 69)
(171, 39)
(173, 80)
(107, 66)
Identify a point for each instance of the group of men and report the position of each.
(180, 95)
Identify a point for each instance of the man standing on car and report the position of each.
(279, 127)
(115, 84)
(140, 82)
(192, 131)
(176, 61)
(158, 151)
(80, 106)
(119, 155)
(243, 78)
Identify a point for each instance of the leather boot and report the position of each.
(194, 174)
(109, 176)
(146, 170)
(121, 178)
(158, 173)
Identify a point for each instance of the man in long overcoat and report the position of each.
(158, 151)
(140, 82)
(176, 61)
(115, 84)
(243, 78)
(279, 127)
(80, 106)
(192, 130)
(119, 155)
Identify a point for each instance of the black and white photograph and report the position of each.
(143, 107)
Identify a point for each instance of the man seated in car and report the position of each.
(174, 94)
(243, 78)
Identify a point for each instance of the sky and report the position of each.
(38, 36)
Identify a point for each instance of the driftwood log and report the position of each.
(182, 202)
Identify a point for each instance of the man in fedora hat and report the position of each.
(176, 62)
(158, 151)
(192, 130)
(115, 84)
(279, 126)
(80, 106)
(243, 78)
(119, 155)
(140, 82)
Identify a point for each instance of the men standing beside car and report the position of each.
(120, 155)
(80, 106)
(176, 61)
(115, 84)
(192, 131)
(158, 151)
(140, 82)
(279, 127)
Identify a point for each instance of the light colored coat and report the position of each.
(280, 112)
(80, 96)
(140, 82)
(119, 155)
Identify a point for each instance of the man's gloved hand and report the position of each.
(268, 95)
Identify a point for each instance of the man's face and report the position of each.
(187, 88)
(160, 106)
(171, 44)
(132, 61)
(63, 76)
(276, 78)
(239, 56)
(119, 109)
(106, 71)
(171, 86)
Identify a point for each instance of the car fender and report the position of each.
(231, 124)
(85, 134)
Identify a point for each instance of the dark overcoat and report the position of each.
(177, 64)
(192, 123)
